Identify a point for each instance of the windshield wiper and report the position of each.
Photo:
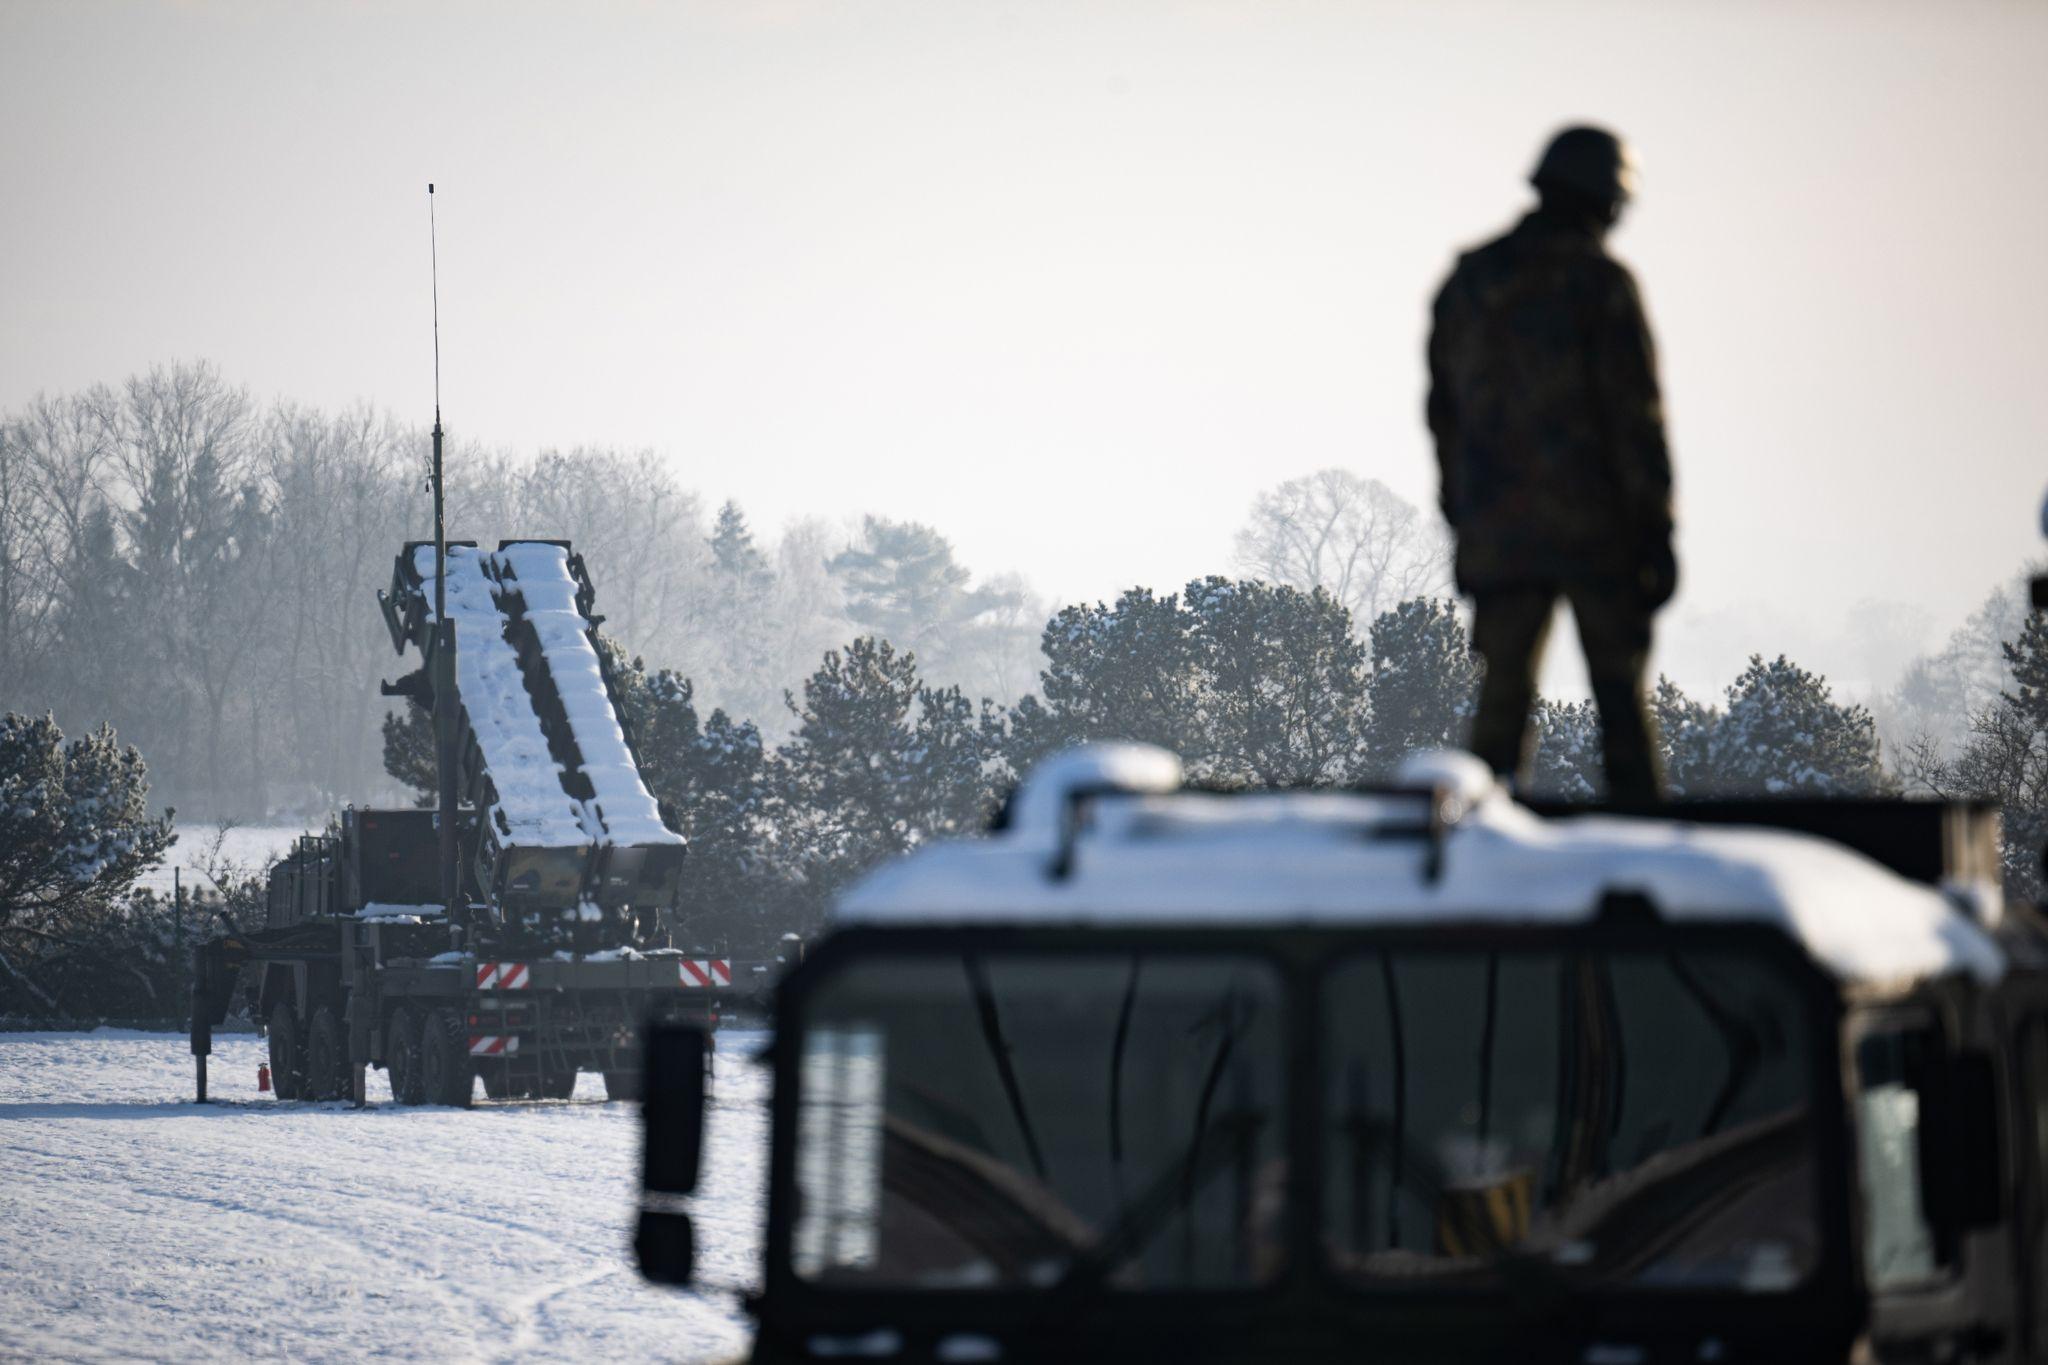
(999, 1051)
(1192, 1169)
(1225, 1016)
(1171, 1191)
(1738, 1036)
(1116, 1064)
(1116, 1083)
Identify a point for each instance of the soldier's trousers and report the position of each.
(1510, 627)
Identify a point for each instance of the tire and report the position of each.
(558, 1085)
(402, 1057)
(446, 1073)
(622, 1085)
(497, 1086)
(287, 1053)
(326, 1056)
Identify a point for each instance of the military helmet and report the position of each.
(1590, 161)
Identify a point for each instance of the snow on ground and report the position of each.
(250, 848)
(136, 1225)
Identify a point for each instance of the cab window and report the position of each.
(1040, 1121)
(1630, 1119)
(1899, 1246)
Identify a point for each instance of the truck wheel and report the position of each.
(402, 1057)
(326, 1056)
(558, 1085)
(622, 1085)
(447, 1075)
(287, 1054)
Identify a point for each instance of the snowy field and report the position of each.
(135, 1225)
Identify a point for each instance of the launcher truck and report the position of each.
(558, 940)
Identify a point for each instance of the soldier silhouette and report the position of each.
(1550, 433)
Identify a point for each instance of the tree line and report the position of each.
(198, 570)
(1255, 685)
(185, 578)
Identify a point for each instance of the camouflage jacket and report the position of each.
(1543, 400)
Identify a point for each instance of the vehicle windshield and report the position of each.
(1628, 1119)
(1034, 1120)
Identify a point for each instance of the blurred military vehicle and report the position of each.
(1405, 1075)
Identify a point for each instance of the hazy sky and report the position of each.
(1073, 281)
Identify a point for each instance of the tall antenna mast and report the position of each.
(440, 527)
(443, 672)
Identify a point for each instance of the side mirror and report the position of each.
(665, 1244)
(672, 1107)
(672, 1143)
(1960, 1154)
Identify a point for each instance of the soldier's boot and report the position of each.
(1509, 629)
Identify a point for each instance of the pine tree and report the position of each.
(2026, 658)
(1284, 683)
(99, 676)
(2005, 759)
(903, 585)
(734, 556)
(1685, 736)
(710, 777)
(409, 753)
(735, 618)
(1783, 734)
(878, 764)
(195, 521)
(1424, 684)
(1250, 683)
(1123, 672)
(1568, 763)
(75, 828)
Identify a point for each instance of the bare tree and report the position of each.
(1935, 703)
(345, 494)
(1002, 657)
(1355, 538)
(54, 460)
(638, 529)
(194, 514)
(30, 554)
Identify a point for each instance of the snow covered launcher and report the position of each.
(567, 825)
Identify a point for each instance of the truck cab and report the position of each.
(1413, 1074)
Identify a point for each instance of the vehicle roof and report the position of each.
(1152, 854)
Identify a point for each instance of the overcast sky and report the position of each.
(1073, 281)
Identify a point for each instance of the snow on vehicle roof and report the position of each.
(1155, 855)
(387, 912)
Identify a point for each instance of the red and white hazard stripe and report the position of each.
(501, 976)
(493, 1044)
(705, 971)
